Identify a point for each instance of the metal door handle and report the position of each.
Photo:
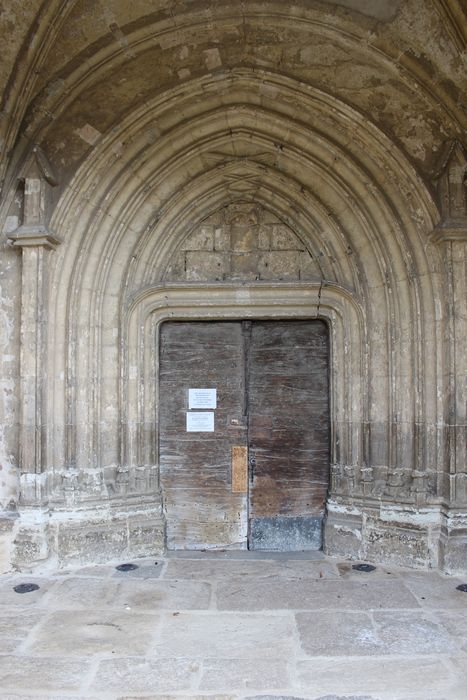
(252, 467)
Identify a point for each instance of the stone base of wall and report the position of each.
(7, 525)
(453, 542)
(93, 535)
(389, 534)
(427, 537)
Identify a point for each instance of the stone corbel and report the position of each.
(36, 241)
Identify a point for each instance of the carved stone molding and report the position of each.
(36, 240)
(451, 183)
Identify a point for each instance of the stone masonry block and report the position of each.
(284, 239)
(244, 266)
(281, 265)
(201, 239)
(221, 238)
(243, 238)
(205, 266)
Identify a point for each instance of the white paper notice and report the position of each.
(202, 398)
(200, 422)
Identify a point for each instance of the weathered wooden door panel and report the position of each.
(201, 509)
(288, 433)
(272, 384)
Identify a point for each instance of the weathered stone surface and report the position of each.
(409, 653)
(97, 632)
(428, 676)
(84, 593)
(354, 633)
(219, 161)
(10, 599)
(146, 570)
(412, 633)
(55, 696)
(165, 595)
(15, 625)
(238, 594)
(230, 636)
(455, 622)
(174, 697)
(441, 593)
(145, 675)
(339, 633)
(61, 675)
(241, 674)
(208, 570)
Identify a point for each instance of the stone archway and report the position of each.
(319, 225)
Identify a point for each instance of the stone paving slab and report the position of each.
(130, 592)
(15, 625)
(241, 594)
(212, 569)
(257, 629)
(358, 633)
(436, 591)
(55, 696)
(94, 633)
(165, 595)
(76, 593)
(9, 599)
(392, 678)
(338, 633)
(146, 675)
(455, 622)
(412, 633)
(247, 554)
(178, 697)
(224, 635)
(41, 674)
(245, 674)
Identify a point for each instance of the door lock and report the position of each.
(252, 462)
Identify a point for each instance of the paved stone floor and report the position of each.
(234, 626)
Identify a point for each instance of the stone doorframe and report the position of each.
(140, 346)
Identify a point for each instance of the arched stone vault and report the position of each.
(142, 166)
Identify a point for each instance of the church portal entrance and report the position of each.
(244, 433)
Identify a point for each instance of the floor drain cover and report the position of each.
(462, 587)
(126, 567)
(26, 587)
(364, 567)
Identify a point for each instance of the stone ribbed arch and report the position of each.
(340, 185)
(157, 304)
(149, 40)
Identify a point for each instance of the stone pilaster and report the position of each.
(451, 236)
(37, 242)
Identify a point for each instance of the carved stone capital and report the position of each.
(449, 231)
(29, 235)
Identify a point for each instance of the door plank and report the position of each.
(288, 433)
(195, 468)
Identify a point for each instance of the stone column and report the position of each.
(451, 236)
(36, 241)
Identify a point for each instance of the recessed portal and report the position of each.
(244, 455)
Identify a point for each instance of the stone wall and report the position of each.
(242, 242)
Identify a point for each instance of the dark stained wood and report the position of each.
(288, 432)
(272, 405)
(201, 509)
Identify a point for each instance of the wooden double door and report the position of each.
(250, 467)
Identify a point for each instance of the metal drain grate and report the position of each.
(26, 587)
(364, 567)
(126, 567)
